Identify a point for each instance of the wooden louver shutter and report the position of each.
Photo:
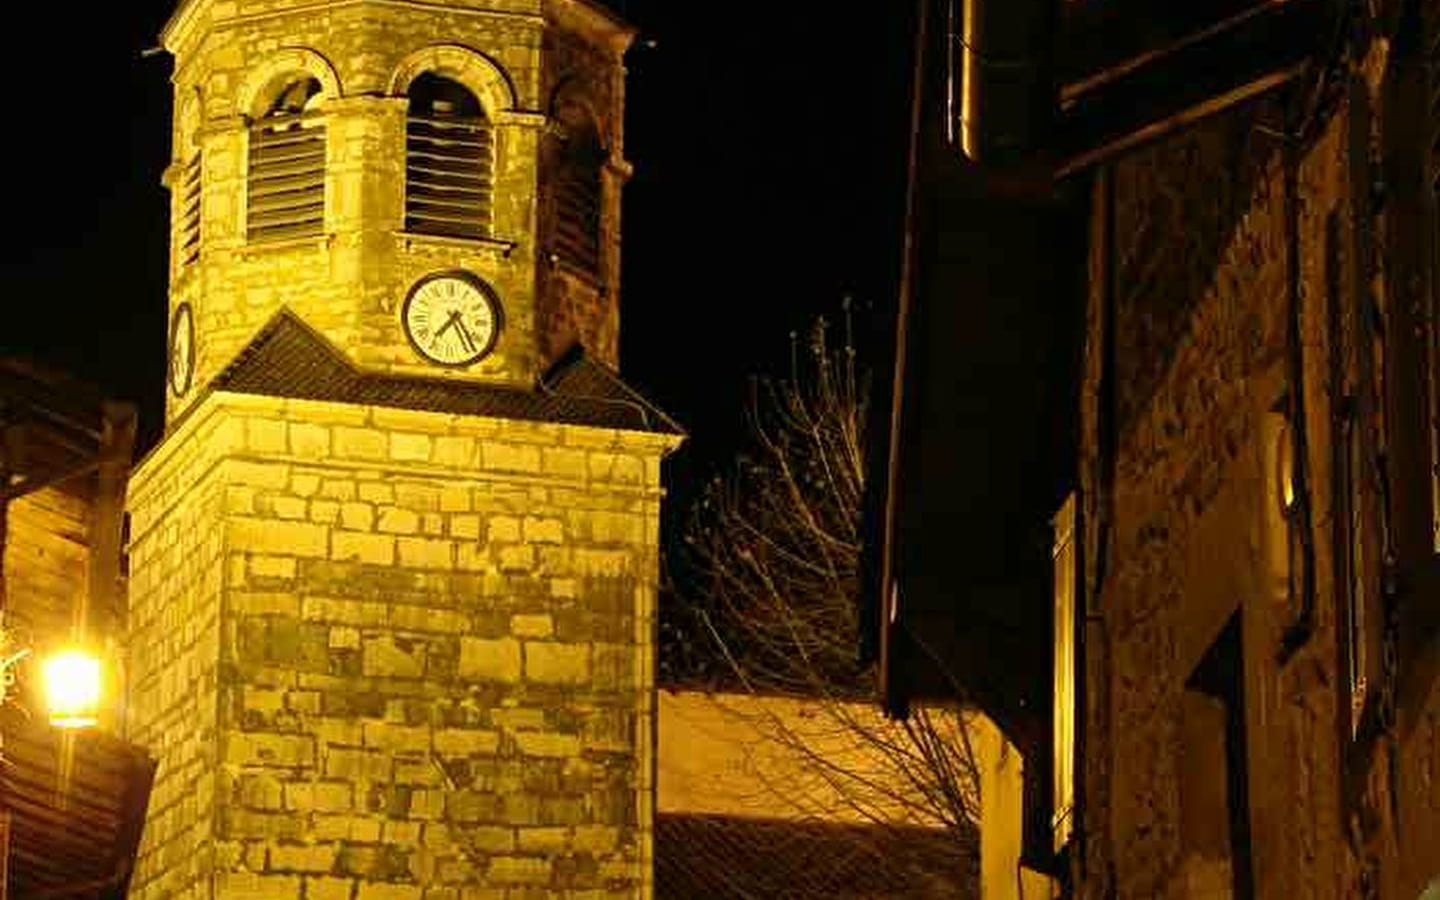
(286, 191)
(190, 211)
(577, 202)
(447, 161)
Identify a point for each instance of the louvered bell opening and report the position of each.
(190, 212)
(285, 197)
(447, 161)
(577, 206)
(286, 194)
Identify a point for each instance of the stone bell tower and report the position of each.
(393, 566)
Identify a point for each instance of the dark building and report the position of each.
(1180, 264)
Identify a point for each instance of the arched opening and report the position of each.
(448, 160)
(579, 191)
(285, 195)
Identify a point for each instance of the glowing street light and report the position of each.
(71, 681)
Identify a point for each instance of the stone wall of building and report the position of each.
(1194, 254)
(425, 643)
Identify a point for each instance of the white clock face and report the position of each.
(182, 350)
(452, 319)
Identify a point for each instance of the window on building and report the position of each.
(1214, 793)
(1066, 572)
(448, 160)
(579, 192)
(1284, 528)
(189, 218)
(285, 195)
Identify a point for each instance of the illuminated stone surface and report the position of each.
(386, 653)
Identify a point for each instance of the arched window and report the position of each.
(285, 196)
(578, 191)
(447, 160)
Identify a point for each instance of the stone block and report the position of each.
(261, 749)
(322, 888)
(539, 625)
(547, 743)
(553, 663)
(487, 660)
(386, 657)
(454, 499)
(309, 441)
(426, 553)
(465, 527)
(301, 858)
(357, 516)
(239, 499)
(502, 529)
(543, 839)
(453, 451)
(284, 538)
(268, 475)
(255, 603)
(517, 558)
(501, 456)
(325, 511)
(289, 507)
(256, 886)
(376, 549)
(266, 435)
(394, 520)
(407, 447)
(387, 891)
(360, 443)
(465, 741)
(563, 462)
(544, 530)
(519, 870)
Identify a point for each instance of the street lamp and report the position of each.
(71, 681)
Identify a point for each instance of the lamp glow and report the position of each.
(72, 689)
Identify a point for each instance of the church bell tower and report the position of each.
(393, 566)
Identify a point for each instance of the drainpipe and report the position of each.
(999, 85)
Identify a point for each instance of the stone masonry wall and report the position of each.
(426, 648)
(350, 282)
(1200, 261)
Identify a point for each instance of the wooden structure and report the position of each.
(75, 802)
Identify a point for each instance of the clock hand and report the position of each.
(465, 339)
(452, 321)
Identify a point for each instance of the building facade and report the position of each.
(1258, 715)
(393, 564)
(1225, 680)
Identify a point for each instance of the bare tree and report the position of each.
(771, 561)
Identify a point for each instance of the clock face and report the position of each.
(451, 318)
(182, 350)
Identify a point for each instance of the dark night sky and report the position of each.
(767, 148)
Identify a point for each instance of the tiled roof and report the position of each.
(290, 359)
(722, 857)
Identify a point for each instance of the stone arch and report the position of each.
(257, 90)
(189, 118)
(570, 96)
(476, 71)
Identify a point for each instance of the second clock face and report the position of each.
(451, 318)
(182, 350)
